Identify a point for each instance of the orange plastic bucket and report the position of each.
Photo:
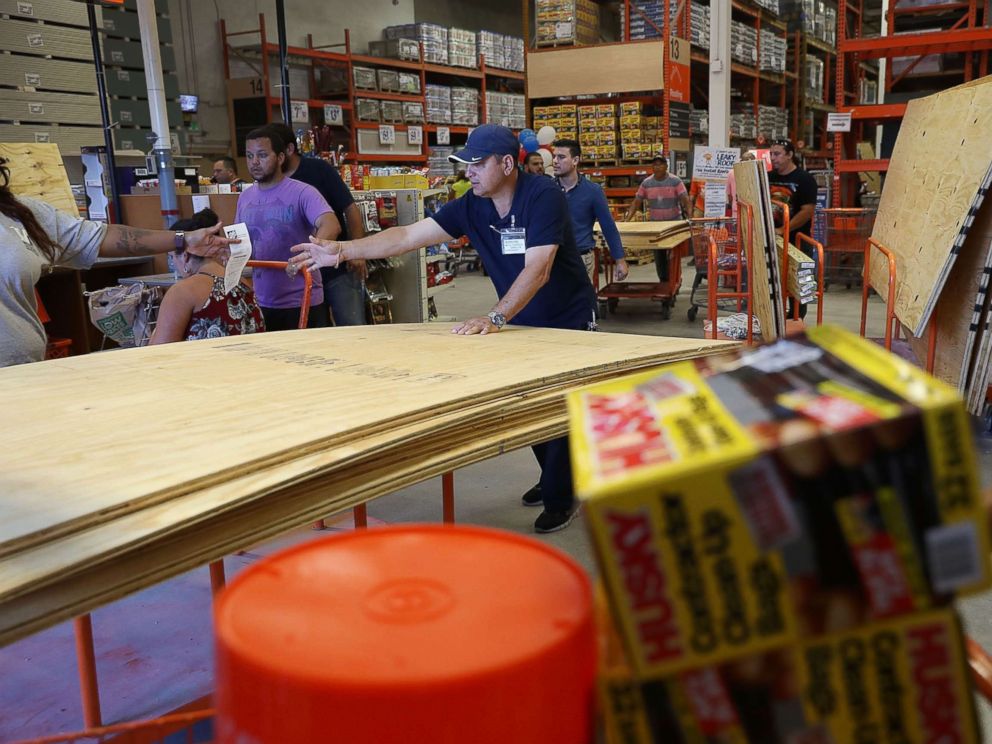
(408, 634)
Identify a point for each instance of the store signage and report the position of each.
(387, 134)
(443, 136)
(333, 115)
(839, 122)
(678, 120)
(299, 111)
(415, 135)
(679, 55)
(715, 199)
(713, 162)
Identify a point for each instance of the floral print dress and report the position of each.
(233, 314)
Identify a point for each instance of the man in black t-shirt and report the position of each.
(793, 185)
(344, 289)
(789, 183)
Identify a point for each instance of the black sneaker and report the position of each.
(533, 497)
(552, 521)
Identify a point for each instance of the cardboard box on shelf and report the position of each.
(401, 181)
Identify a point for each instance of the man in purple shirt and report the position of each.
(281, 212)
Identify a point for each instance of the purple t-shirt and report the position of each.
(278, 218)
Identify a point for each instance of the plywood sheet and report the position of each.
(960, 309)
(748, 192)
(143, 426)
(606, 68)
(771, 253)
(938, 177)
(37, 170)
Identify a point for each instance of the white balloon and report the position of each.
(546, 157)
(546, 135)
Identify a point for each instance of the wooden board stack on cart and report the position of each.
(650, 235)
(171, 456)
(935, 218)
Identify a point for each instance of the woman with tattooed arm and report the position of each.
(35, 236)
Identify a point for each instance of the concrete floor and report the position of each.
(154, 648)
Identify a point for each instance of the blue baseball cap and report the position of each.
(486, 140)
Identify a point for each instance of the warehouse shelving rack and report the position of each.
(262, 54)
(760, 86)
(963, 31)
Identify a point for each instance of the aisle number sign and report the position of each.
(387, 134)
(839, 122)
(679, 51)
(299, 111)
(415, 135)
(333, 115)
(443, 136)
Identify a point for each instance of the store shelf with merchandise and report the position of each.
(350, 95)
(929, 46)
(673, 116)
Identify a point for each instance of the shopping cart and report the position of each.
(723, 232)
(844, 234)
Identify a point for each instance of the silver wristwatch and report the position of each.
(497, 319)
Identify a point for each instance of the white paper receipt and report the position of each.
(240, 253)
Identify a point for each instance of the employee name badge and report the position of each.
(513, 239)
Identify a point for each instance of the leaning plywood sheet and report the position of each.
(771, 254)
(748, 192)
(143, 426)
(978, 381)
(960, 310)
(939, 174)
(37, 170)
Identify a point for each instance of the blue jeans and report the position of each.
(345, 297)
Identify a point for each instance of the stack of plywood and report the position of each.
(649, 235)
(752, 190)
(933, 215)
(126, 468)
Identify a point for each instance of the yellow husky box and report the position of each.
(740, 503)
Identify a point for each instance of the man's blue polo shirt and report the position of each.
(587, 204)
(567, 300)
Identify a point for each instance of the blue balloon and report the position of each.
(526, 133)
(530, 143)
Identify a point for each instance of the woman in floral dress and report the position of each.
(196, 307)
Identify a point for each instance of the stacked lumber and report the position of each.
(174, 455)
(934, 217)
(650, 235)
(800, 276)
(752, 189)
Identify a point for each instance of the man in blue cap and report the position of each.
(520, 227)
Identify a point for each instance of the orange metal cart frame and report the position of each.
(665, 292)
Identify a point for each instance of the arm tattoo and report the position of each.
(130, 241)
